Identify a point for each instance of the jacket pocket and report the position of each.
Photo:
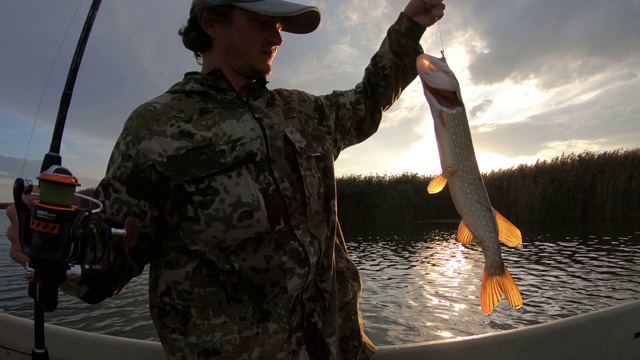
(205, 158)
(215, 200)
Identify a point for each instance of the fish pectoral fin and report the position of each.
(508, 233)
(437, 184)
(465, 236)
(494, 286)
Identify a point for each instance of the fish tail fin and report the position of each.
(494, 286)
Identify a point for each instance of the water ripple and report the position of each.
(419, 283)
(430, 283)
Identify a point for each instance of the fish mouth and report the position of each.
(447, 99)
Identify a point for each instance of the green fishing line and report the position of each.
(56, 193)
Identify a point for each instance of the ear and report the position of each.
(207, 22)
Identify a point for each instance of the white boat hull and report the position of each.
(612, 333)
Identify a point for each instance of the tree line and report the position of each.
(586, 186)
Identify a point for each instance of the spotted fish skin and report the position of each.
(480, 222)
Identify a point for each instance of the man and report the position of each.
(234, 188)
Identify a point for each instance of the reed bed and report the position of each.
(586, 186)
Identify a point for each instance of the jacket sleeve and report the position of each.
(127, 190)
(354, 115)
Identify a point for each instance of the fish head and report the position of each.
(441, 88)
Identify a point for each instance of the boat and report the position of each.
(612, 333)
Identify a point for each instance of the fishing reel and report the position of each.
(51, 232)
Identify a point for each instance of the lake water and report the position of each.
(419, 283)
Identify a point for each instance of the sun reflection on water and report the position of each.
(424, 285)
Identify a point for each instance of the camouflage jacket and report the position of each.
(237, 201)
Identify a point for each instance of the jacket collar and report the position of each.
(215, 81)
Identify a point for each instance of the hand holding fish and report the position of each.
(425, 12)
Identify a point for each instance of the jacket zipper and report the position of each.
(279, 193)
(289, 224)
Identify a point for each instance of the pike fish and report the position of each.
(480, 222)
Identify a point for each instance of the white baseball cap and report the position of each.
(296, 18)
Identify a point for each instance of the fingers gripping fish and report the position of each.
(480, 222)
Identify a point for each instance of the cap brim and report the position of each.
(296, 18)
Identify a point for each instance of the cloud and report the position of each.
(363, 19)
(124, 61)
(553, 42)
(319, 74)
(480, 108)
(600, 114)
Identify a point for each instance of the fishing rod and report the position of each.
(51, 229)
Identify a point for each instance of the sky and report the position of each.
(539, 78)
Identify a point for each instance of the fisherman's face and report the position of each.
(249, 43)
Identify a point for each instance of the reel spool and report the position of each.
(51, 216)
